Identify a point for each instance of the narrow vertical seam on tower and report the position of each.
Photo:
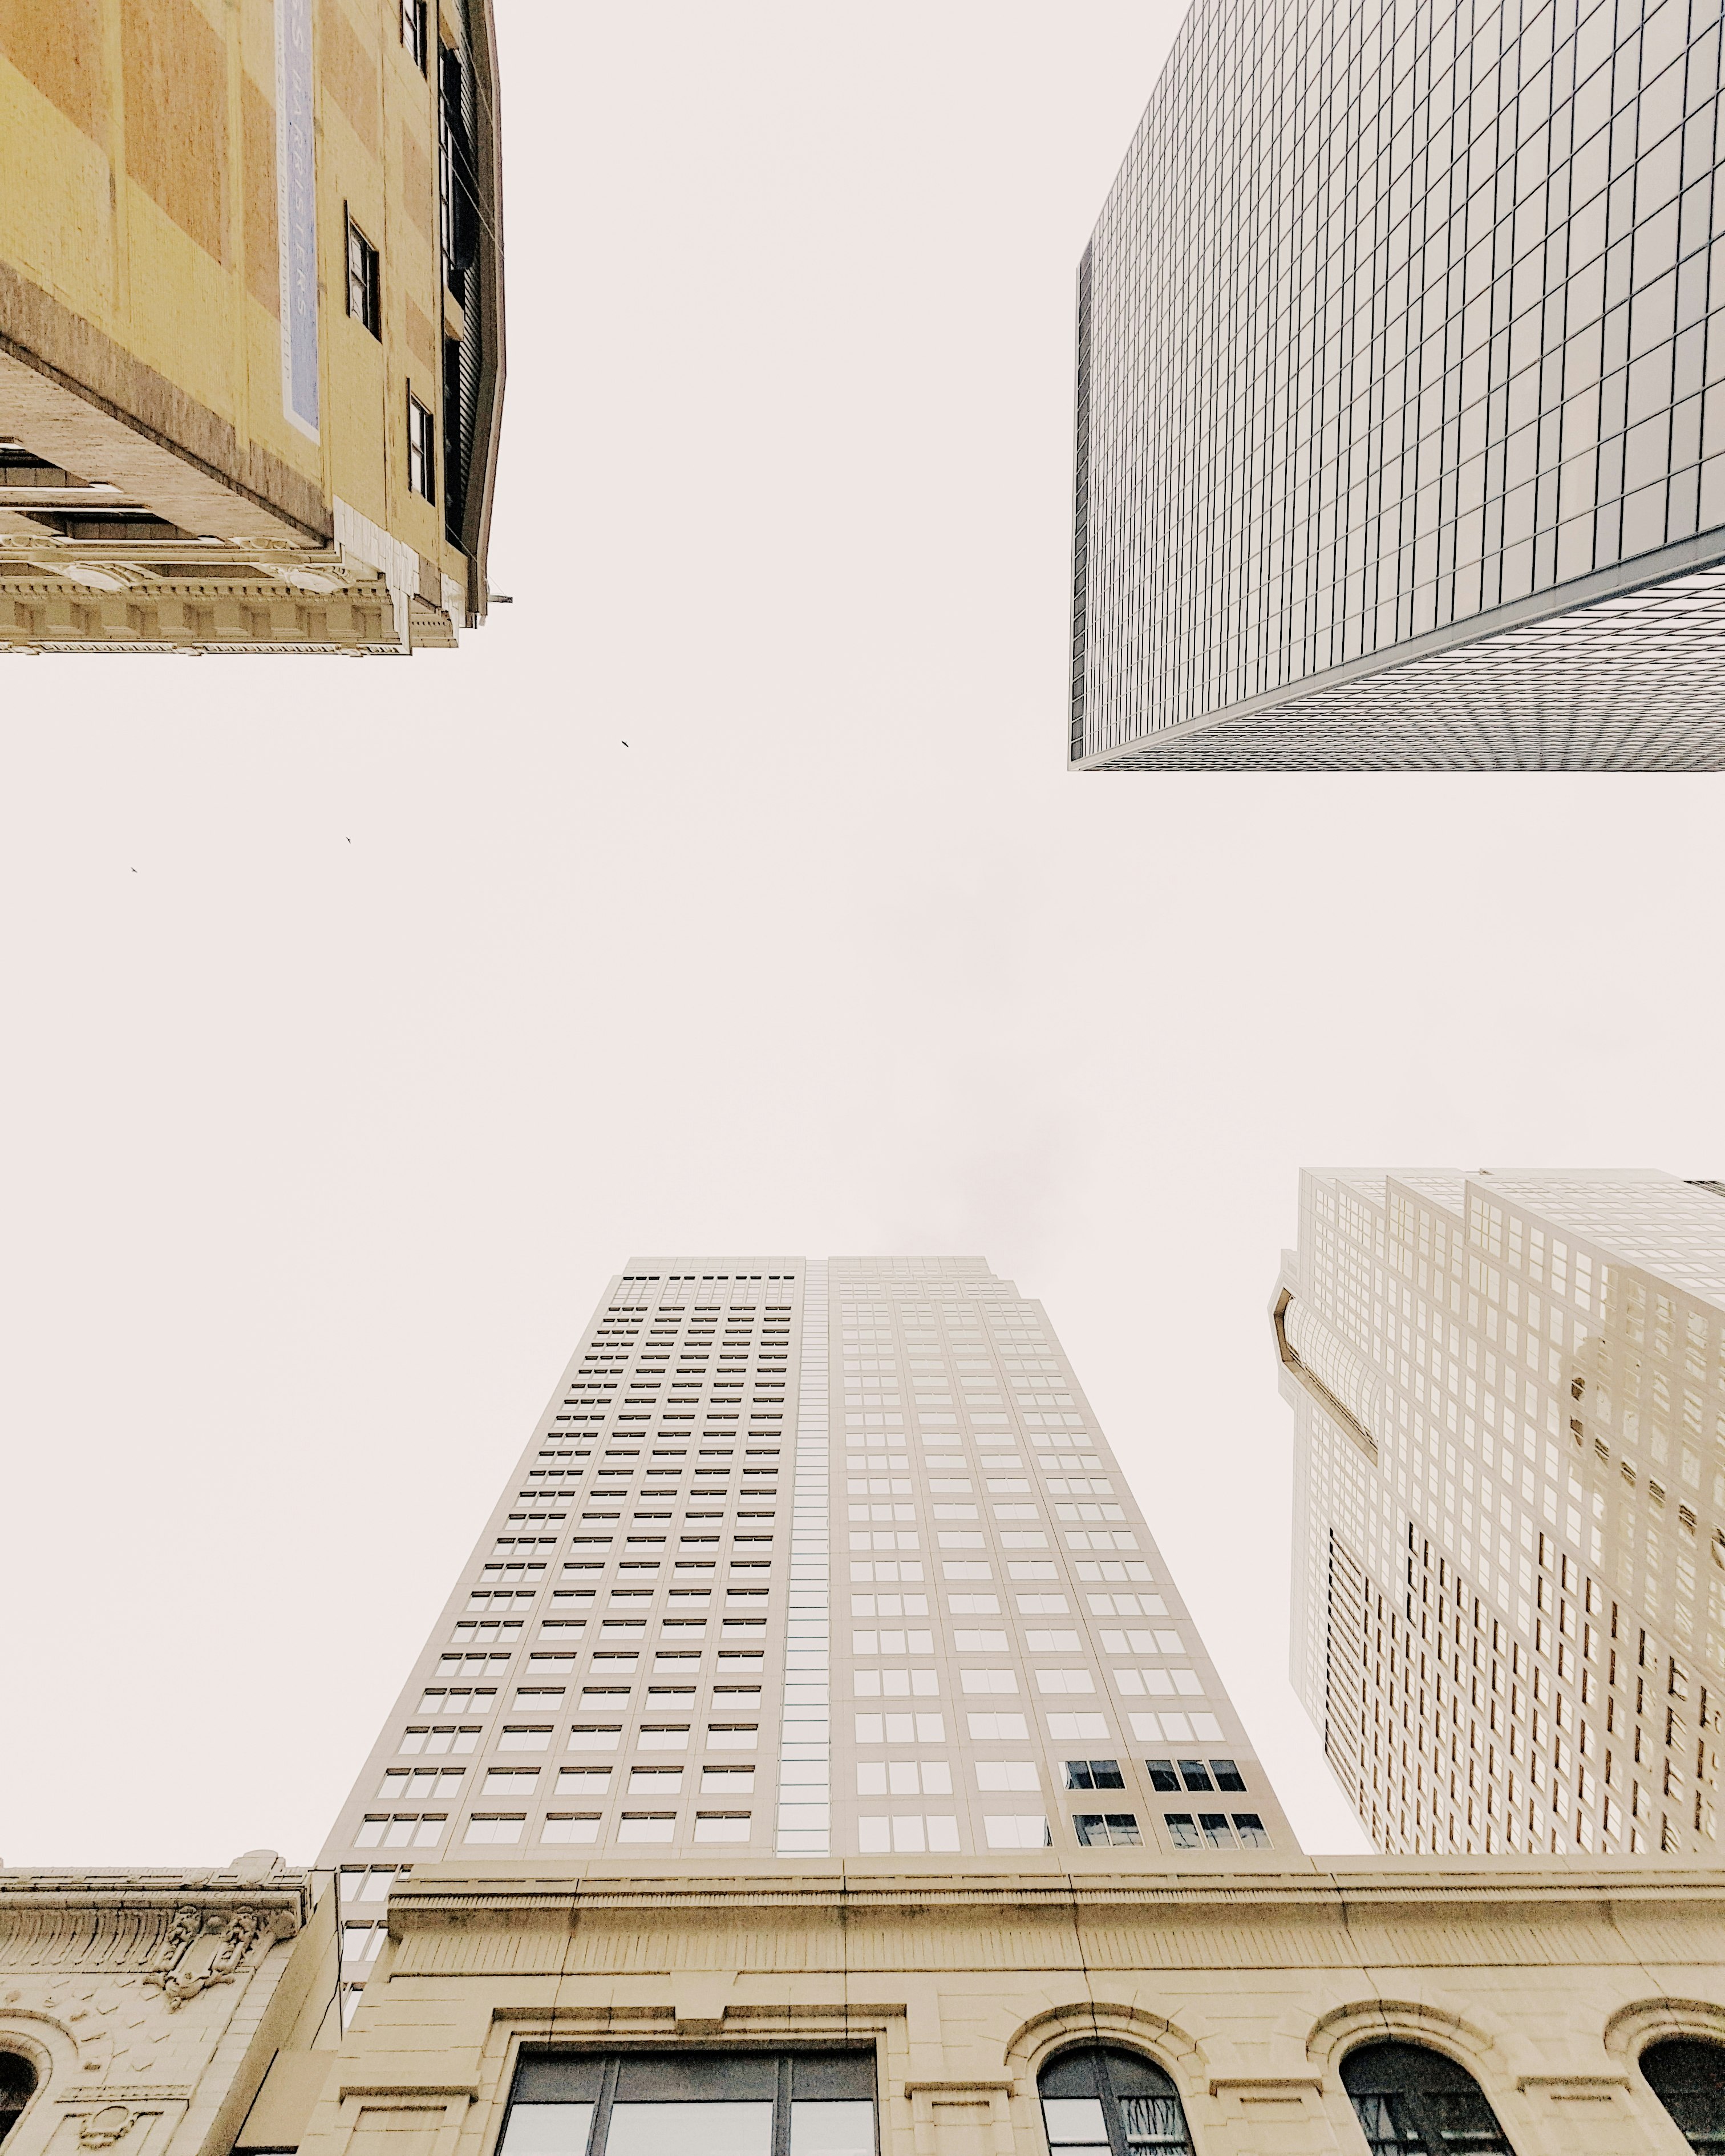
(804, 1820)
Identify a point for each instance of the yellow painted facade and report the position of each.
(156, 489)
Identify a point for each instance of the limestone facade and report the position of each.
(148, 2005)
(1544, 1977)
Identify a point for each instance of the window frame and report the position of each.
(365, 276)
(416, 31)
(776, 2067)
(422, 479)
(1430, 2132)
(1112, 2101)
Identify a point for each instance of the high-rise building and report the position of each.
(1509, 1531)
(1397, 448)
(808, 1559)
(251, 327)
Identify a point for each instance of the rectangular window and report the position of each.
(421, 1830)
(1094, 1775)
(1008, 1774)
(1108, 1829)
(1017, 1831)
(422, 479)
(1182, 1830)
(364, 281)
(722, 1826)
(1250, 1829)
(727, 2103)
(495, 1827)
(571, 1826)
(911, 1832)
(413, 31)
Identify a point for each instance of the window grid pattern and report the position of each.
(1510, 1631)
(1393, 318)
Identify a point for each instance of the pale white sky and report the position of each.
(359, 1021)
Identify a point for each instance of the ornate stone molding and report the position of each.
(145, 1923)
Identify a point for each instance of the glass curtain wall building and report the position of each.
(1509, 1504)
(808, 1559)
(1400, 422)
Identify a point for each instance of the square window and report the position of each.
(364, 281)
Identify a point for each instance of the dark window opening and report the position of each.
(1162, 1774)
(1228, 1775)
(1687, 2075)
(1412, 2101)
(1103, 2103)
(458, 188)
(1108, 1829)
(364, 281)
(422, 450)
(17, 2085)
(730, 2104)
(1094, 1775)
(413, 32)
(1196, 1776)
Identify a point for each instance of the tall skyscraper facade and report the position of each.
(1509, 1530)
(1397, 437)
(808, 1559)
(251, 325)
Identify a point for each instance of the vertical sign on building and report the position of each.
(296, 213)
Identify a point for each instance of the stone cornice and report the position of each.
(1432, 1890)
(284, 1894)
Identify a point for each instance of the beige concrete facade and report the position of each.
(813, 1558)
(251, 333)
(148, 2005)
(1509, 1499)
(1247, 1986)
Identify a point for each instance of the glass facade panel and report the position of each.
(727, 2103)
(1401, 396)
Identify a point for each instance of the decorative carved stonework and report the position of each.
(185, 1979)
(104, 2127)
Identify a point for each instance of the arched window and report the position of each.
(17, 2085)
(1097, 2102)
(1687, 2075)
(1412, 2102)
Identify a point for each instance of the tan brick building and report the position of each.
(251, 330)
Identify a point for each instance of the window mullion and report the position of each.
(602, 2109)
(1112, 2116)
(781, 2111)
